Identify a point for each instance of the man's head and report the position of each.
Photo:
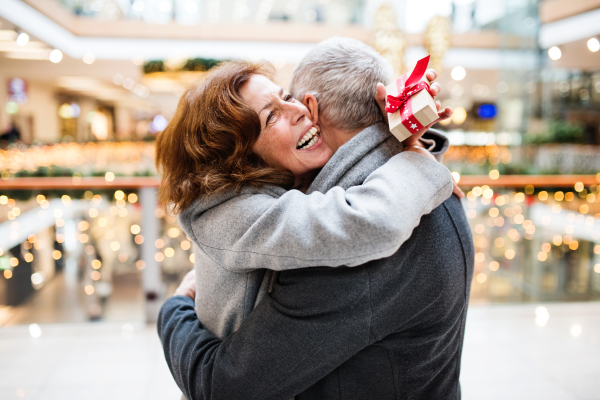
(342, 74)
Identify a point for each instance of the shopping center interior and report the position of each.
(87, 256)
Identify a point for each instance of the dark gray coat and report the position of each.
(238, 236)
(390, 329)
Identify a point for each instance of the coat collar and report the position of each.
(348, 155)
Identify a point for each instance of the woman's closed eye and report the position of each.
(269, 117)
(288, 98)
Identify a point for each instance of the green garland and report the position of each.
(192, 65)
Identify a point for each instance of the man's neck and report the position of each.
(303, 182)
(336, 138)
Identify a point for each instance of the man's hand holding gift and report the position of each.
(411, 141)
(408, 104)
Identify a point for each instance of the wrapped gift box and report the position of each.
(409, 105)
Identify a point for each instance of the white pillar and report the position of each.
(43, 105)
(123, 123)
(84, 133)
(151, 277)
(4, 117)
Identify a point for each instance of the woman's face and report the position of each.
(287, 139)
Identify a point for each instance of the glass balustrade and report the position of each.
(531, 243)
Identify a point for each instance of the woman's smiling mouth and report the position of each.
(310, 139)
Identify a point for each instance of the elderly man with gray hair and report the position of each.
(391, 328)
(336, 81)
(340, 73)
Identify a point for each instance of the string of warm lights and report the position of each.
(479, 155)
(504, 228)
(127, 158)
(137, 157)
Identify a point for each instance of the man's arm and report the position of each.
(313, 321)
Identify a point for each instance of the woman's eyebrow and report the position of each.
(269, 104)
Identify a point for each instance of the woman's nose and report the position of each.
(292, 109)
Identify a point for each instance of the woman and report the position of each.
(234, 149)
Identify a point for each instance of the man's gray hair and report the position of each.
(342, 74)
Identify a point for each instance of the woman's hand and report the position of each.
(422, 151)
(442, 115)
(456, 190)
(187, 287)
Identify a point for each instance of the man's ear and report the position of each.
(310, 101)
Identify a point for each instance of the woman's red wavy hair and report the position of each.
(207, 147)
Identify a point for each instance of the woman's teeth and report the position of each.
(308, 140)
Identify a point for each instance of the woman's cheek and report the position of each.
(275, 151)
(280, 139)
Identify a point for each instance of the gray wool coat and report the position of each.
(392, 328)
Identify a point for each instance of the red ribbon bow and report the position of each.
(412, 86)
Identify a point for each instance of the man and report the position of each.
(392, 328)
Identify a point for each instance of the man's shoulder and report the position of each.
(351, 156)
(371, 160)
(446, 223)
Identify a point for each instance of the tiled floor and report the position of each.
(63, 300)
(104, 361)
(511, 352)
(507, 355)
